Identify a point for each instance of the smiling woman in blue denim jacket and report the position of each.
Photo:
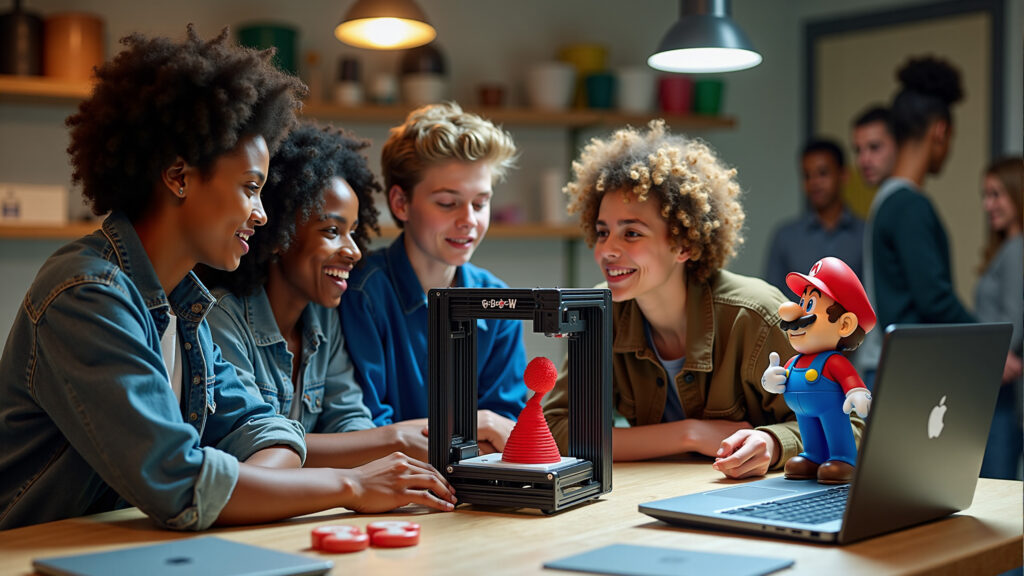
(275, 317)
(113, 391)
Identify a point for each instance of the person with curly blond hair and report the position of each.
(114, 393)
(439, 169)
(691, 340)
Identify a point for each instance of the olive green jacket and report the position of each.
(732, 326)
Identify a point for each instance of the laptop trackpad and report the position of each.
(752, 493)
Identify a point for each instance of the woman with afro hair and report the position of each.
(275, 317)
(114, 392)
(691, 340)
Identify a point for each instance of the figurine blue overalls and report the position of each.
(818, 405)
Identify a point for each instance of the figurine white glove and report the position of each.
(858, 399)
(774, 378)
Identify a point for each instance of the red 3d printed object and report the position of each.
(530, 441)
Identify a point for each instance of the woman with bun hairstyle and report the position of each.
(907, 253)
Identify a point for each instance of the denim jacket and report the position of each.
(87, 416)
(247, 333)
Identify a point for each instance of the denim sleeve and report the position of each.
(364, 343)
(236, 345)
(243, 424)
(344, 410)
(98, 374)
(501, 386)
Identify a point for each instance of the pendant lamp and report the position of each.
(705, 39)
(385, 25)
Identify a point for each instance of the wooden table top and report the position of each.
(984, 539)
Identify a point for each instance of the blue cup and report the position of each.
(600, 89)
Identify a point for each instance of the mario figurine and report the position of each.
(819, 383)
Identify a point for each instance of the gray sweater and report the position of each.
(999, 296)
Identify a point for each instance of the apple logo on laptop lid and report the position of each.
(935, 423)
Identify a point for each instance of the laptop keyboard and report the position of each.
(816, 508)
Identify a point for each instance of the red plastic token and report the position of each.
(394, 534)
(390, 524)
(345, 542)
(343, 533)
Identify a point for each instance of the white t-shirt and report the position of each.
(172, 352)
(673, 404)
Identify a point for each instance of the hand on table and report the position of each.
(492, 429)
(705, 436)
(410, 437)
(746, 453)
(396, 480)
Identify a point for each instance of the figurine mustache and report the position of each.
(802, 322)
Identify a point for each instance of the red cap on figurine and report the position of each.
(833, 277)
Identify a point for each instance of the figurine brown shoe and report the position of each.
(800, 468)
(835, 472)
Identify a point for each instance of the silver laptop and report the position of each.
(934, 396)
(187, 557)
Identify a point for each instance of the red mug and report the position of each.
(675, 94)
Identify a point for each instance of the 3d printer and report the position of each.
(583, 316)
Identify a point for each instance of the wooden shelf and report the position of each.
(523, 231)
(37, 89)
(574, 118)
(75, 230)
(69, 232)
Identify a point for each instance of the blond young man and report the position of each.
(439, 170)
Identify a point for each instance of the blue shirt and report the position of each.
(88, 416)
(384, 316)
(798, 244)
(247, 333)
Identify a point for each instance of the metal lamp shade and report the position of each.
(704, 39)
(385, 25)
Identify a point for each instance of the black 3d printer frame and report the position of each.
(581, 315)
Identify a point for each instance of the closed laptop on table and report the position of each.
(186, 557)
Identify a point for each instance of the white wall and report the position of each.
(496, 40)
